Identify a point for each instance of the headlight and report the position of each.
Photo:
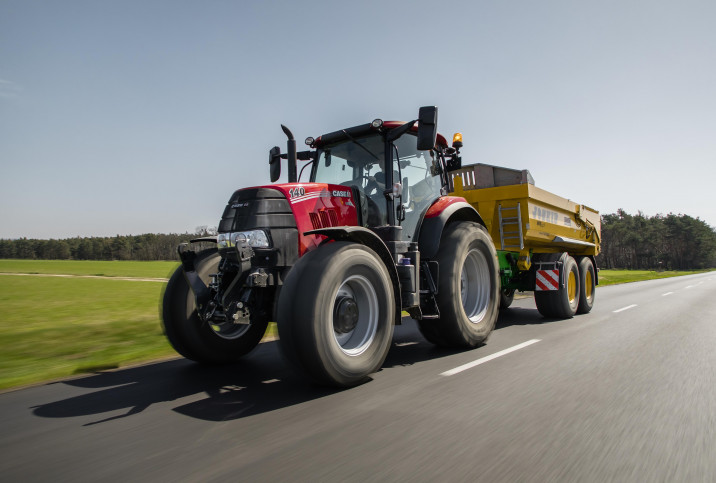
(255, 239)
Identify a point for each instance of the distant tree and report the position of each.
(670, 242)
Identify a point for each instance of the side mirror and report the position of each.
(427, 127)
(275, 163)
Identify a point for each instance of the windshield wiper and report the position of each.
(360, 145)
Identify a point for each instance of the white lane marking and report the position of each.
(625, 308)
(688, 286)
(667, 293)
(472, 364)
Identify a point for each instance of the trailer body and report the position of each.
(527, 224)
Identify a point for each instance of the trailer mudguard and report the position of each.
(364, 236)
(443, 211)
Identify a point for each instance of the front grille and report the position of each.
(256, 208)
(266, 209)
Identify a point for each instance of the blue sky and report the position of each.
(129, 117)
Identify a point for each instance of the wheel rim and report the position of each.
(355, 315)
(588, 285)
(228, 330)
(572, 287)
(475, 286)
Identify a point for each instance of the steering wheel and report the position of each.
(371, 187)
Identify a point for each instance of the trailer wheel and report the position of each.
(197, 340)
(469, 293)
(335, 314)
(587, 283)
(561, 303)
(507, 295)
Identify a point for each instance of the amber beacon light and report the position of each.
(457, 140)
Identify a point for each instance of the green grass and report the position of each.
(91, 267)
(57, 327)
(612, 277)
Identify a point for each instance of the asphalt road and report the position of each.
(615, 395)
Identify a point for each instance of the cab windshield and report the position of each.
(360, 163)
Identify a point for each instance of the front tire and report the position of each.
(335, 314)
(469, 288)
(197, 340)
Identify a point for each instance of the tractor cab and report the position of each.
(396, 193)
(404, 190)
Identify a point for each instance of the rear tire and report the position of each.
(469, 288)
(563, 302)
(336, 314)
(198, 340)
(507, 295)
(587, 284)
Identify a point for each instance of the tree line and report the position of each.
(639, 242)
(668, 242)
(145, 247)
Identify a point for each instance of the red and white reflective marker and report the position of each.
(547, 280)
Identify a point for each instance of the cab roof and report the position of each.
(365, 129)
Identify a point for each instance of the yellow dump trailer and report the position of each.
(545, 243)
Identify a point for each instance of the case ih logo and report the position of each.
(547, 280)
(299, 194)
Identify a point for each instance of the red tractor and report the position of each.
(337, 259)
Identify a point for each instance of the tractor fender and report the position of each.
(364, 236)
(443, 211)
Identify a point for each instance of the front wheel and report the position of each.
(210, 343)
(335, 314)
(469, 293)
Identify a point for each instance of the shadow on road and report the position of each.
(521, 316)
(260, 383)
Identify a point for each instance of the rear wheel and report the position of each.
(507, 295)
(335, 314)
(468, 297)
(587, 282)
(201, 341)
(563, 302)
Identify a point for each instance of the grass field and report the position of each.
(612, 277)
(57, 327)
